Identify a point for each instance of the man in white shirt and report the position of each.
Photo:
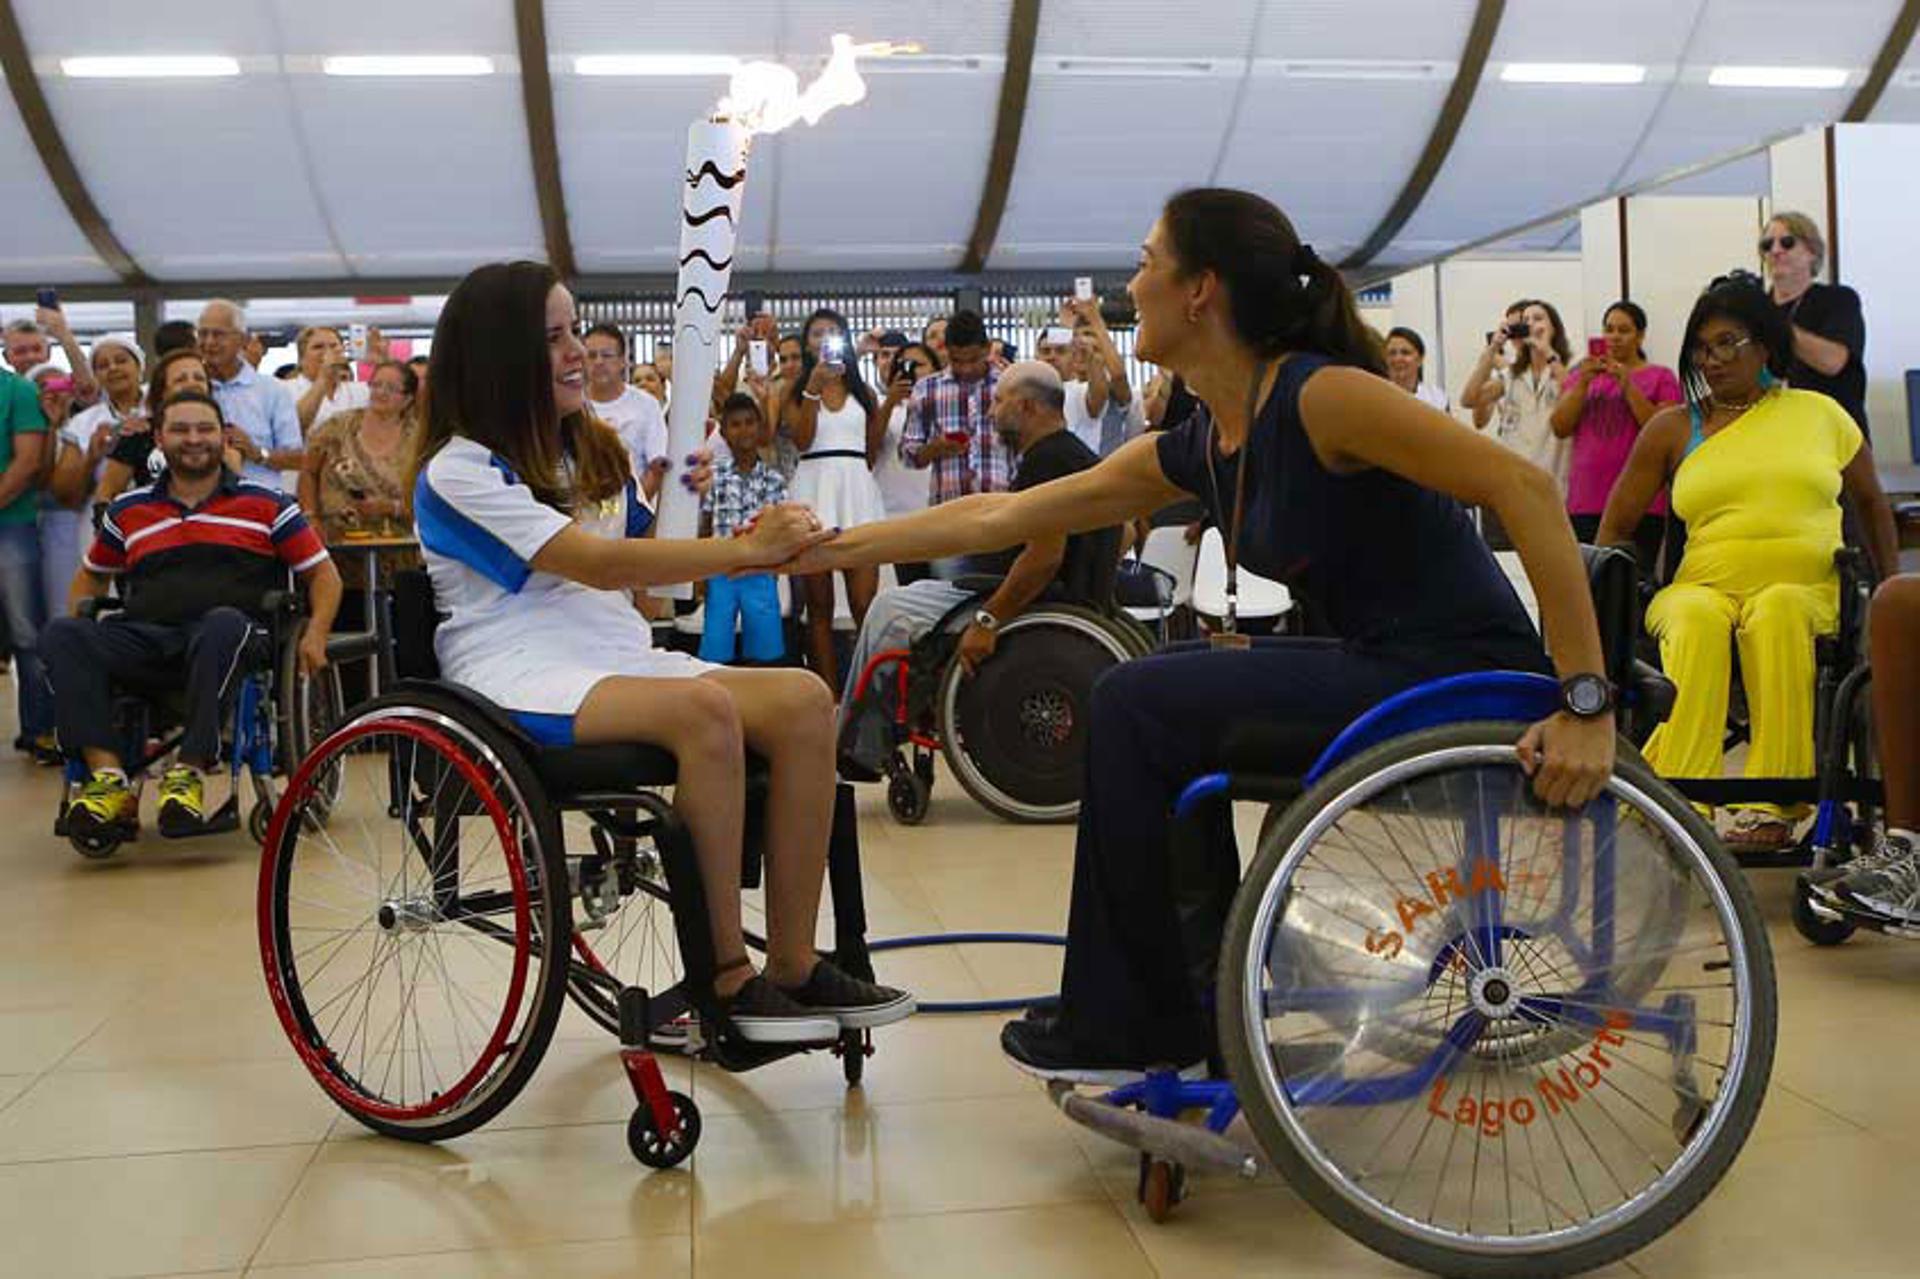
(1101, 408)
(631, 412)
(262, 422)
(325, 385)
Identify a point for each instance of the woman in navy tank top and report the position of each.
(1327, 477)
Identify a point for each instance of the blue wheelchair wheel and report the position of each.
(1484, 1037)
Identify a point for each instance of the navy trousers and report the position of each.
(1146, 916)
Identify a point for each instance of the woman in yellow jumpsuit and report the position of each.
(1757, 470)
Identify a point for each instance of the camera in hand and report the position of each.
(908, 369)
(1519, 331)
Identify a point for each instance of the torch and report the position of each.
(762, 98)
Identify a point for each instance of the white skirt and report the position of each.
(840, 490)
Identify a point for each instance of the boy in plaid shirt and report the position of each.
(742, 487)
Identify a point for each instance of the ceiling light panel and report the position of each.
(150, 67)
(1764, 77)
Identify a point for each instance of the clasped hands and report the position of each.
(786, 537)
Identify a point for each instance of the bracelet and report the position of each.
(809, 395)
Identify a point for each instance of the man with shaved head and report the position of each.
(263, 423)
(1028, 416)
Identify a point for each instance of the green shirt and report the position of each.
(19, 415)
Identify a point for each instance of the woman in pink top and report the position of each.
(1603, 403)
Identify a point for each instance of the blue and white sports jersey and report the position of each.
(526, 639)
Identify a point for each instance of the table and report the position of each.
(377, 641)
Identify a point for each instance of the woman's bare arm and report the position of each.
(1129, 483)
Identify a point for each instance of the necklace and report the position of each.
(1739, 406)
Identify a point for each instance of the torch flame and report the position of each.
(766, 97)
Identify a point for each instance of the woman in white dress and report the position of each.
(530, 523)
(838, 425)
(1518, 397)
(80, 455)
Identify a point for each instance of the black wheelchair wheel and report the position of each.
(908, 796)
(656, 1149)
(1015, 733)
(1597, 1050)
(417, 961)
(309, 707)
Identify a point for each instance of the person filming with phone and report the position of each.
(325, 387)
(837, 424)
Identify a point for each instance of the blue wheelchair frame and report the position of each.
(1481, 696)
(250, 745)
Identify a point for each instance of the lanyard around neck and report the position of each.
(1230, 636)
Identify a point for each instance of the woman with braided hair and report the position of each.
(1325, 476)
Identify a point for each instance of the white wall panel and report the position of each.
(1875, 165)
(1676, 244)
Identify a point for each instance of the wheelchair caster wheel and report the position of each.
(854, 1048)
(97, 846)
(259, 818)
(907, 796)
(1813, 925)
(664, 1150)
(1162, 1186)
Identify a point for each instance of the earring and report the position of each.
(1193, 315)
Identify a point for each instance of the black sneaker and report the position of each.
(1041, 1047)
(762, 1014)
(852, 1003)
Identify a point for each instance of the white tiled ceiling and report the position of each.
(1324, 105)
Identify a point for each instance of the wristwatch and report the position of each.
(986, 621)
(1586, 696)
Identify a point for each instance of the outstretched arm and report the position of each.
(1128, 484)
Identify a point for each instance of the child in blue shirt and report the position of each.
(742, 487)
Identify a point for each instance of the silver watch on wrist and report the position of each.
(985, 621)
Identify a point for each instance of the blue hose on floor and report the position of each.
(974, 939)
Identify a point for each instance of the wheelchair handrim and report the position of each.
(448, 737)
(971, 777)
(1253, 1016)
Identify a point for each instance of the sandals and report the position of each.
(1754, 830)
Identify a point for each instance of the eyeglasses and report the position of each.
(1719, 351)
(216, 334)
(1786, 242)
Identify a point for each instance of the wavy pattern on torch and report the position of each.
(701, 219)
(726, 181)
(693, 291)
(722, 264)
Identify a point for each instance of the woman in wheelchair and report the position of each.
(531, 524)
(1757, 470)
(1329, 479)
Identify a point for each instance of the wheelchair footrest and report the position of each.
(218, 822)
(1186, 1144)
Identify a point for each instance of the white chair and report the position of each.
(1172, 560)
(1261, 599)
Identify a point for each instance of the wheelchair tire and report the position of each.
(1321, 1120)
(908, 796)
(418, 974)
(1815, 928)
(1015, 733)
(663, 1150)
(309, 708)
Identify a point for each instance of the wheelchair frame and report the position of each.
(268, 732)
(1146, 1113)
(616, 788)
(923, 689)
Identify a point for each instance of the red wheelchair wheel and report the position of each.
(414, 929)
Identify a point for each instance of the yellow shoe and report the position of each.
(105, 806)
(182, 803)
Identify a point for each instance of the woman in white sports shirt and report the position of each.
(529, 521)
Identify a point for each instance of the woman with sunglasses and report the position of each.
(1829, 331)
(1756, 470)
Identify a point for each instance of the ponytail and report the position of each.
(1282, 296)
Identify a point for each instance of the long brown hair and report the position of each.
(1284, 298)
(490, 379)
(157, 383)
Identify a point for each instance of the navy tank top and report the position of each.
(1380, 562)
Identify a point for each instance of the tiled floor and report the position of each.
(153, 1121)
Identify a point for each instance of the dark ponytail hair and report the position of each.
(1283, 297)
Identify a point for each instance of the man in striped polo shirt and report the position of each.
(195, 553)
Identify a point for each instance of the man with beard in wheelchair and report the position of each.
(1028, 414)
